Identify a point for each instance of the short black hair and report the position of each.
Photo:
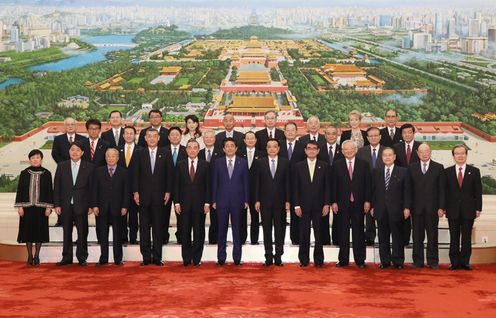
(406, 126)
(313, 142)
(175, 128)
(373, 128)
(130, 127)
(459, 146)
(274, 139)
(227, 140)
(94, 122)
(156, 111)
(77, 143)
(115, 111)
(35, 152)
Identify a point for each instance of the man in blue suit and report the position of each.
(229, 197)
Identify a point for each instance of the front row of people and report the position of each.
(348, 189)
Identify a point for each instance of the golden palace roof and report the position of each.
(252, 104)
(171, 69)
(253, 77)
(343, 69)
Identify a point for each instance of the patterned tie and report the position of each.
(273, 168)
(116, 137)
(408, 154)
(209, 156)
(71, 139)
(374, 157)
(111, 171)
(424, 168)
(350, 173)
(152, 160)
(270, 134)
(192, 171)
(230, 168)
(290, 150)
(92, 150)
(460, 177)
(174, 156)
(391, 133)
(128, 155)
(388, 177)
(331, 155)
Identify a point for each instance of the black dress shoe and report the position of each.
(267, 264)
(370, 243)
(303, 264)
(295, 242)
(384, 266)
(417, 265)
(453, 267)
(399, 266)
(278, 262)
(119, 263)
(434, 267)
(83, 263)
(221, 263)
(319, 265)
(237, 263)
(133, 242)
(197, 264)
(361, 266)
(158, 263)
(64, 262)
(339, 264)
(185, 264)
(145, 263)
(101, 263)
(466, 267)
(255, 243)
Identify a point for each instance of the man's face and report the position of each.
(313, 125)
(272, 148)
(155, 119)
(424, 152)
(388, 157)
(192, 149)
(209, 139)
(228, 122)
(230, 148)
(331, 135)
(290, 132)
(270, 120)
(391, 118)
(115, 120)
(112, 157)
(93, 131)
(374, 137)
(407, 134)
(312, 151)
(349, 150)
(152, 138)
(174, 137)
(75, 153)
(460, 156)
(250, 140)
(129, 136)
(70, 126)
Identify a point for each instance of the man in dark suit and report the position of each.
(177, 154)
(428, 187)
(463, 206)
(390, 206)
(330, 154)
(230, 194)
(127, 156)
(110, 202)
(155, 119)
(72, 201)
(152, 184)
(192, 202)
(269, 132)
(311, 198)
(94, 146)
(406, 154)
(61, 144)
(210, 153)
(228, 121)
(313, 126)
(351, 188)
(114, 136)
(391, 135)
(371, 153)
(292, 149)
(272, 196)
(252, 154)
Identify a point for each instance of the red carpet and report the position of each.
(247, 291)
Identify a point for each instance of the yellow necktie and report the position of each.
(128, 155)
(312, 170)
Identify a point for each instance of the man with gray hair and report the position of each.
(313, 126)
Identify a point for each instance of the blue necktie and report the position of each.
(230, 168)
(152, 160)
(388, 177)
(74, 174)
(273, 168)
(174, 156)
(290, 150)
(374, 158)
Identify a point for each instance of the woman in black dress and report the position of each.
(34, 203)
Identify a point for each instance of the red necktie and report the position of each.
(92, 150)
(408, 154)
(111, 172)
(192, 171)
(460, 177)
(350, 172)
(270, 134)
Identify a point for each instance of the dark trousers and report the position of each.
(351, 213)
(213, 232)
(192, 219)
(105, 218)
(69, 219)
(166, 221)
(369, 228)
(407, 231)
(391, 229)
(335, 229)
(273, 217)
(294, 227)
(130, 220)
(151, 217)
(310, 218)
(425, 221)
(460, 228)
(325, 230)
(223, 218)
(254, 225)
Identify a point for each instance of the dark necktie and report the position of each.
(386, 180)
(374, 158)
(111, 172)
(408, 154)
(270, 134)
(331, 155)
(192, 171)
(209, 155)
(290, 150)
(460, 177)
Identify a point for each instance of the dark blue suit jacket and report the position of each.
(234, 192)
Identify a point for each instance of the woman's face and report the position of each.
(35, 161)
(191, 125)
(354, 121)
